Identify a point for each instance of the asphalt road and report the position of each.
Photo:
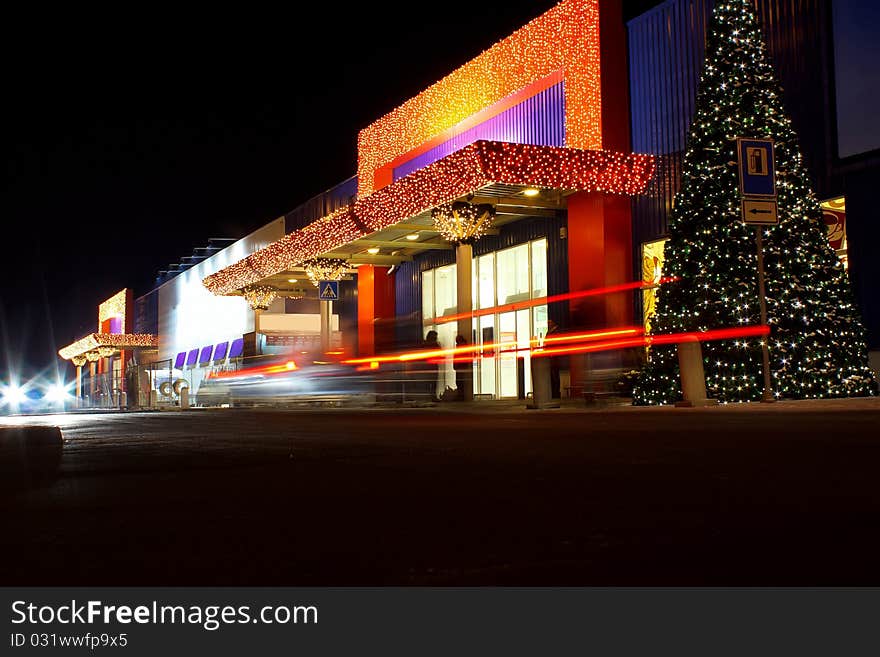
(757, 495)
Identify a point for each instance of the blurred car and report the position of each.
(285, 380)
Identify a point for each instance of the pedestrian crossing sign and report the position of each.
(328, 290)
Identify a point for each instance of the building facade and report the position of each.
(561, 147)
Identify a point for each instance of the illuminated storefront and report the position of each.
(108, 354)
(528, 141)
(546, 165)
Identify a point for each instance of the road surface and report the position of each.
(482, 495)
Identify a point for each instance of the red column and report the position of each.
(375, 309)
(615, 77)
(600, 225)
(599, 255)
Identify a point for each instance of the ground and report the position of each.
(484, 494)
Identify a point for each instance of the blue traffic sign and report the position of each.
(757, 170)
(328, 290)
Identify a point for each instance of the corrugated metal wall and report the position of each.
(348, 313)
(666, 50)
(321, 205)
(666, 53)
(146, 313)
(408, 286)
(538, 120)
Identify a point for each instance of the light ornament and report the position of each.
(462, 222)
(560, 45)
(455, 176)
(92, 356)
(324, 269)
(79, 361)
(259, 297)
(105, 352)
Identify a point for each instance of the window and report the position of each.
(515, 274)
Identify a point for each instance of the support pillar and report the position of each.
(257, 313)
(599, 255)
(464, 255)
(93, 370)
(693, 376)
(78, 393)
(376, 311)
(326, 325)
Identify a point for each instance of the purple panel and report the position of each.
(205, 356)
(539, 120)
(116, 325)
(237, 348)
(220, 350)
(180, 360)
(191, 357)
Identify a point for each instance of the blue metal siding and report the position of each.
(666, 56)
(321, 205)
(347, 308)
(538, 120)
(666, 51)
(146, 313)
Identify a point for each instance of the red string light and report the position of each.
(463, 172)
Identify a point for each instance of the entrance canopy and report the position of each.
(97, 344)
(397, 217)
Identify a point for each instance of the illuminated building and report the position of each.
(571, 129)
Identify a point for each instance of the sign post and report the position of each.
(328, 292)
(757, 185)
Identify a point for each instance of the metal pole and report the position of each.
(767, 397)
(326, 320)
(464, 256)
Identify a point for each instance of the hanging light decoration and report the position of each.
(92, 356)
(463, 222)
(324, 269)
(259, 297)
(79, 361)
(105, 352)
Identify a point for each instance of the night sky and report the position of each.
(129, 140)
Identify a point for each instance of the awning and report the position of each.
(95, 341)
(467, 171)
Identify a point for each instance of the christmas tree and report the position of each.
(817, 341)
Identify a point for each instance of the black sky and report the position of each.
(131, 139)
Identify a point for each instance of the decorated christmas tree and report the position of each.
(817, 341)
